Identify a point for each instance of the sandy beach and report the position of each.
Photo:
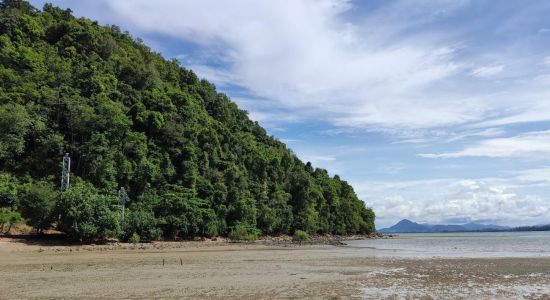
(221, 270)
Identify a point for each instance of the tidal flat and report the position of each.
(222, 270)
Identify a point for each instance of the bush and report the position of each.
(38, 205)
(300, 236)
(9, 218)
(9, 187)
(87, 215)
(134, 239)
(141, 222)
(184, 215)
(242, 232)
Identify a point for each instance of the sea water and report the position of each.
(460, 244)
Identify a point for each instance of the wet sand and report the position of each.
(219, 270)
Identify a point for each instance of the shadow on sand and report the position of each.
(48, 239)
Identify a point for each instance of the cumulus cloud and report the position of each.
(532, 145)
(436, 201)
(300, 54)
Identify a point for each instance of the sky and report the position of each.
(435, 111)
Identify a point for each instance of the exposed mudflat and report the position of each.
(221, 270)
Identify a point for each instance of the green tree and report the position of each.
(38, 205)
(15, 124)
(86, 214)
(141, 221)
(9, 187)
(184, 215)
(8, 218)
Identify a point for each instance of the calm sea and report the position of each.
(470, 244)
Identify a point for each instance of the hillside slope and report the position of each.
(192, 162)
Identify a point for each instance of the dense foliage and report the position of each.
(8, 218)
(192, 162)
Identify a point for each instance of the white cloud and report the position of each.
(266, 116)
(488, 132)
(541, 174)
(377, 186)
(304, 55)
(532, 145)
(316, 159)
(290, 141)
(272, 119)
(491, 200)
(392, 168)
(523, 112)
(488, 71)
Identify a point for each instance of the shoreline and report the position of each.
(58, 242)
(220, 270)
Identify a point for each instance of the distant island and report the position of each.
(408, 226)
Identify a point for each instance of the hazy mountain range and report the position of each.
(410, 226)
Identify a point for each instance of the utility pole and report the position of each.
(122, 197)
(66, 172)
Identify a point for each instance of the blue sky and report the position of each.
(437, 111)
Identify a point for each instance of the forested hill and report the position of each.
(192, 163)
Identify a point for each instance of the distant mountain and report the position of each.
(477, 227)
(413, 227)
(405, 226)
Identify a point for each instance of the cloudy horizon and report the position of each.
(433, 111)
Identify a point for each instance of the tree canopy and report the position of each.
(193, 163)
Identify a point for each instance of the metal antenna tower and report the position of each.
(122, 198)
(66, 172)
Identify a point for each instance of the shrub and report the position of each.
(300, 236)
(184, 215)
(38, 205)
(134, 239)
(9, 187)
(88, 215)
(9, 218)
(141, 222)
(242, 232)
